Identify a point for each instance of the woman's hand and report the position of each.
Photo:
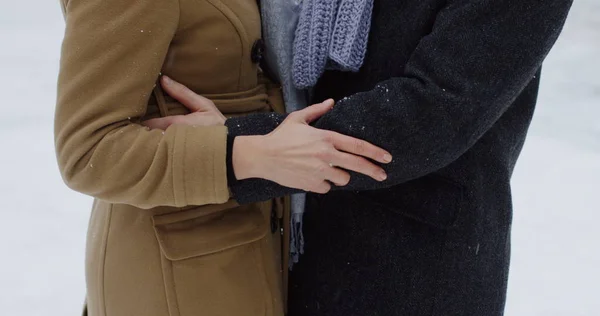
(204, 111)
(300, 156)
(295, 154)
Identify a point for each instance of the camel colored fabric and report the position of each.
(165, 236)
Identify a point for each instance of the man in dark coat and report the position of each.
(449, 88)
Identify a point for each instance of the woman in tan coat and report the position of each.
(165, 236)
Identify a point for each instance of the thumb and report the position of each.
(159, 123)
(194, 102)
(315, 111)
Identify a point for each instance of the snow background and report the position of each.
(43, 224)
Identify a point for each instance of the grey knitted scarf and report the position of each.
(302, 39)
(330, 34)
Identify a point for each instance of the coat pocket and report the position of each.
(213, 260)
(432, 199)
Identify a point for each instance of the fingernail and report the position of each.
(387, 157)
(166, 79)
(382, 175)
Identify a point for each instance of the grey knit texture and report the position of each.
(331, 34)
(350, 34)
(280, 19)
(338, 31)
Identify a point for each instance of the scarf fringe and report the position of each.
(296, 235)
(296, 239)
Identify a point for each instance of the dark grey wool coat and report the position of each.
(449, 88)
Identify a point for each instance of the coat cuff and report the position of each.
(192, 174)
(231, 179)
(252, 190)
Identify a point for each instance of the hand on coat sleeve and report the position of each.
(112, 54)
(459, 80)
(203, 111)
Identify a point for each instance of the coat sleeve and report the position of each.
(459, 80)
(112, 54)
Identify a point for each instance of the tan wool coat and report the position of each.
(165, 236)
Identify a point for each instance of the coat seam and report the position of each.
(174, 287)
(164, 276)
(171, 286)
(173, 155)
(173, 174)
(240, 30)
(103, 269)
(214, 173)
(257, 249)
(166, 267)
(178, 19)
(184, 178)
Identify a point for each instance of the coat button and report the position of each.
(258, 50)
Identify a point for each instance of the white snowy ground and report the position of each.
(556, 255)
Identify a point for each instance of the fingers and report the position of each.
(193, 119)
(187, 97)
(164, 122)
(158, 123)
(321, 188)
(359, 147)
(314, 111)
(360, 165)
(338, 176)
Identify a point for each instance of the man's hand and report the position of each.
(204, 111)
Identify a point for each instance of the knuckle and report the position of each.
(359, 146)
(323, 152)
(203, 101)
(176, 88)
(294, 115)
(368, 168)
(375, 172)
(321, 169)
(190, 94)
(327, 137)
(360, 163)
(379, 152)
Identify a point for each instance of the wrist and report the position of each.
(246, 160)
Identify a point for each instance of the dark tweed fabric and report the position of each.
(449, 88)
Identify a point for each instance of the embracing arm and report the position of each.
(112, 54)
(459, 80)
